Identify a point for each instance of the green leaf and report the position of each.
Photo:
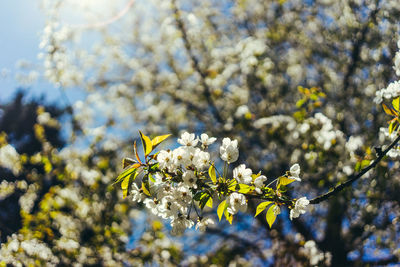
(211, 173)
(209, 202)
(232, 185)
(244, 188)
(261, 207)
(136, 152)
(157, 140)
(391, 127)
(271, 217)
(124, 193)
(126, 172)
(284, 180)
(151, 178)
(145, 189)
(221, 209)
(125, 182)
(205, 196)
(127, 161)
(395, 103)
(147, 144)
(388, 111)
(228, 216)
(365, 163)
(314, 97)
(300, 103)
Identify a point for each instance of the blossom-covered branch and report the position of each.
(178, 184)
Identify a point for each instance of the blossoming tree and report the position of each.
(277, 109)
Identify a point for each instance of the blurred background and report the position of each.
(293, 81)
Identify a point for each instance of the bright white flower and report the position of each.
(188, 139)
(259, 181)
(181, 156)
(242, 175)
(182, 194)
(206, 140)
(168, 207)
(229, 150)
(161, 189)
(299, 208)
(9, 158)
(237, 202)
(201, 160)
(137, 194)
(189, 179)
(165, 159)
(392, 91)
(151, 205)
(295, 172)
(192, 151)
(203, 223)
(180, 224)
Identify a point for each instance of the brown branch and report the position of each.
(195, 62)
(357, 44)
(239, 240)
(353, 178)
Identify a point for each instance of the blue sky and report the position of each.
(21, 22)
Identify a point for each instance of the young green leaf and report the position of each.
(245, 188)
(228, 216)
(395, 103)
(127, 161)
(157, 140)
(388, 110)
(221, 208)
(126, 172)
(211, 173)
(147, 145)
(145, 190)
(151, 178)
(261, 207)
(136, 152)
(271, 217)
(284, 180)
(209, 202)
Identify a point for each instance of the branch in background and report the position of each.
(195, 62)
(353, 178)
(243, 242)
(357, 44)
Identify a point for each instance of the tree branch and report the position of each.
(195, 62)
(353, 178)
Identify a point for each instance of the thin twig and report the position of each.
(353, 178)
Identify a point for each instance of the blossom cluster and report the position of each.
(391, 92)
(177, 183)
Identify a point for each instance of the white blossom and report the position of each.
(242, 174)
(9, 158)
(165, 159)
(299, 208)
(137, 194)
(206, 140)
(181, 156)
(201, 160)
(179, 225)
(189, 178)
(295, 172)
(259, 181)
(236, 202)
(188, 139)
(229, 150)
(203, 223)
